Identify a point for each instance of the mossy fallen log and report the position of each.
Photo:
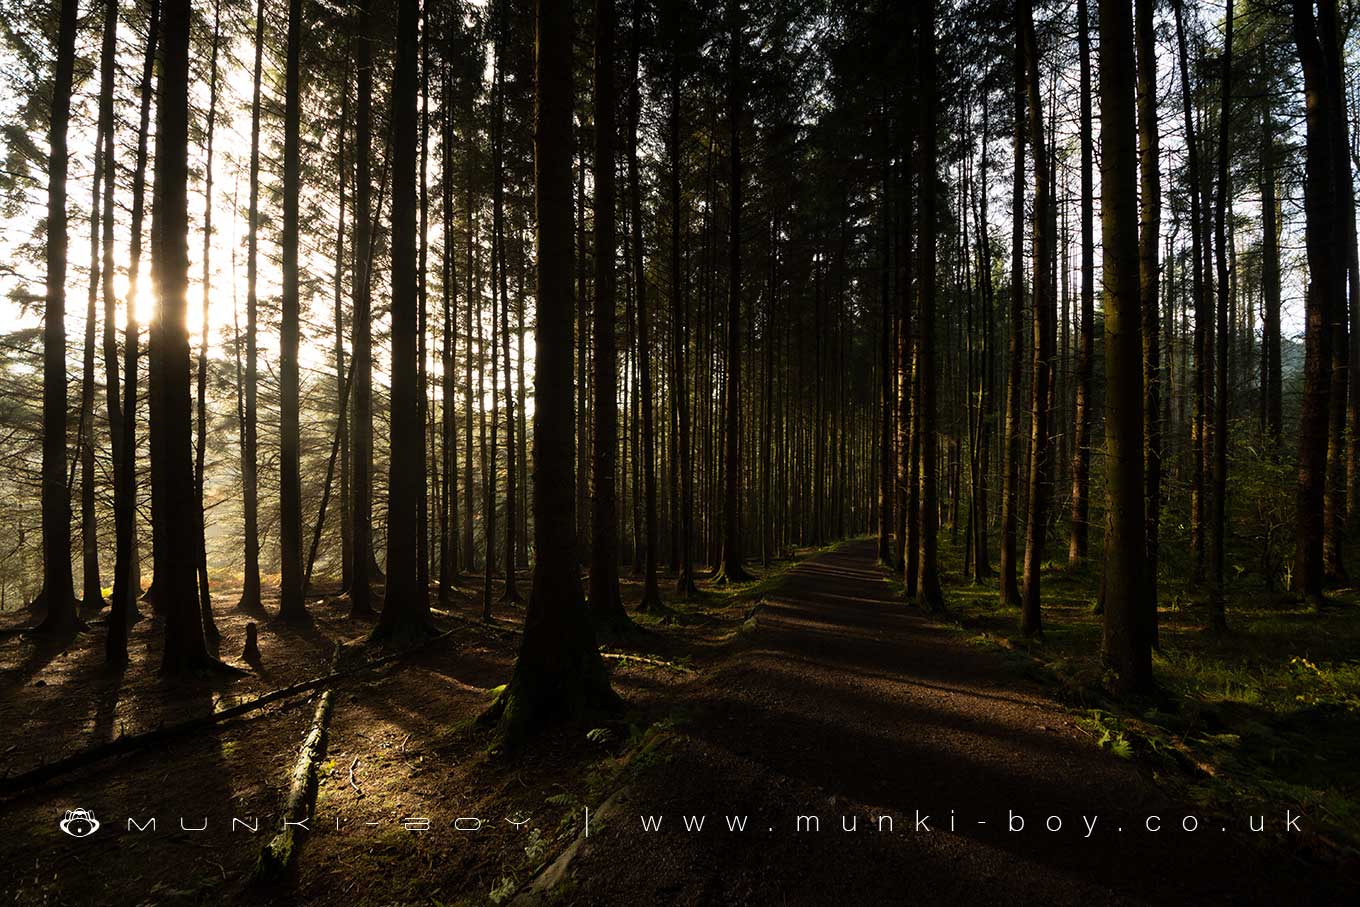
(277, 856)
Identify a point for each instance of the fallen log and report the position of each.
(277, 856)
(132, 742)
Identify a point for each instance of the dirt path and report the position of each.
(848, 706)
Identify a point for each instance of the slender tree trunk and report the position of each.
(127, 574)
(448, 514)
(1045, 316)
(680, 337)
(1270, 276)
(732, 569)
(928, 593)
(1081, 443)
(1219, 528)
(1149, 244)
(361, 362)
(204, 591)
(343, 384)
(405, 612)
(422, 318)
(1198, 439)
(651, 592)
(250, 491)
(58, 583)
(606, 607)
(1126, 643)
(93, 597)
(291, 604)
(1010, 482)
(473, 301)
(498, 229)
(886, 401)
(106, 163)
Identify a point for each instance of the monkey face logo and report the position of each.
(79, 823)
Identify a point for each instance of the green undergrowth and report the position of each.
(1265, 716)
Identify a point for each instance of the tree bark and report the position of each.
(361, 362)
(1045, 317)
(559, 670)
(1324, 293)
(1149, 245)
(1010, 481)
(291, 604)
(928, 593)
(606, 607)
(731, 568)
(1126, 642)
(405, 613)
(172, 465)
(58, 583)
(1078, 544)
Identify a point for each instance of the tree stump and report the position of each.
(251, 655)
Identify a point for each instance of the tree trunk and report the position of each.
(126, 572)
(200, 452)
(559, 670)
(405, 613)
(1149, 245)
(448, 514)
(731, 569)
(1045, 317)
(1126, 641)
(1324, 298)
(361, 361)
(1220, 462)
(1078, 544)
(1271, 383)
(172, 464)
(1010, 481)
(511, 593)
(1198, 438)
(58, 583)
(651, 593)
(684, 583)
(291, 605)
(928, 593)
(606, 607)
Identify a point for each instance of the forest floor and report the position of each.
(811, 691)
